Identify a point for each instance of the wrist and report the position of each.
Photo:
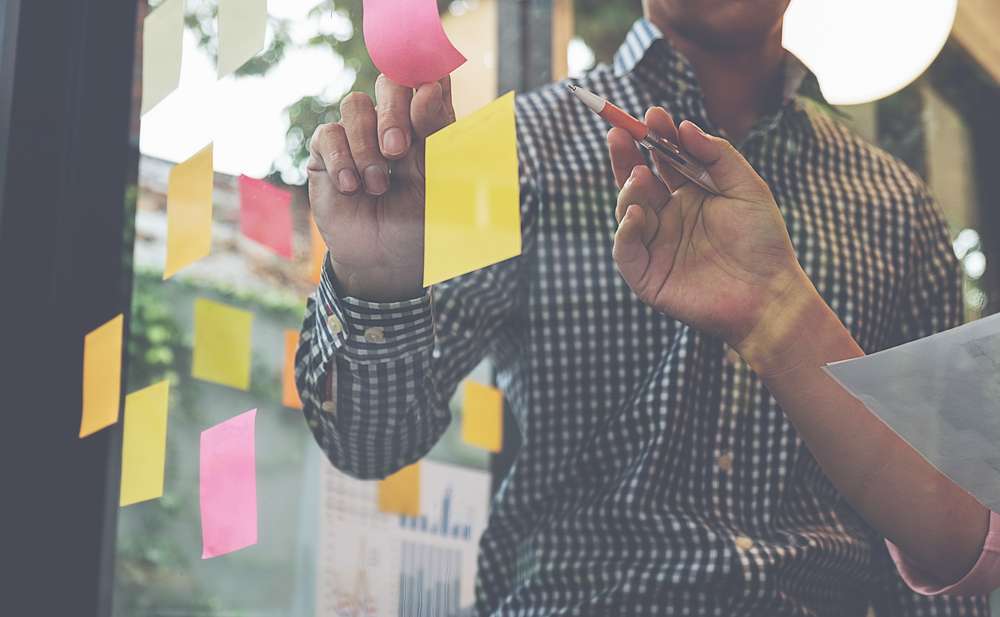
(375, 284)
(785, 336)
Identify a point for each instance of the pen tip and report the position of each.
(572, 87)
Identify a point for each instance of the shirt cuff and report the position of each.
(372, 332)
(983, 578)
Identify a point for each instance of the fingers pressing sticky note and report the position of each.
(102, 376)
(189, 211)
(289, 393)
(228, 486)
(482, 416)
(162, 43)
(144, 444)
(400, 492)
(222, 344)
(242, 26)
(407, 42)
(266, 215)
(473, 217)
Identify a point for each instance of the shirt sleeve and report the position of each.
(375, 379)
(930, 301)
(983, 578)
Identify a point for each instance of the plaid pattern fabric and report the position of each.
(657, 476)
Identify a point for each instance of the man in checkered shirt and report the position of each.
(657, 476)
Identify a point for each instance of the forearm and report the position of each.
(931, 519)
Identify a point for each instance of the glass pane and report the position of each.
(260, 121)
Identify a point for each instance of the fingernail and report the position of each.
(376, 180)
(698, 128)
(394, 142)
(348, 181)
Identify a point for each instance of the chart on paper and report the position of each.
(372, 564)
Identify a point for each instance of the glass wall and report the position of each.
(260, 121)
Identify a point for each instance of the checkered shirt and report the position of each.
(657, 475)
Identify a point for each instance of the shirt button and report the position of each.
(335, 326)
(329, 406)
(375, 334)
(743, 543)
(725, 462)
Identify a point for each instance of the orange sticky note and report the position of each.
(400, 492)
(102, 376)
(482, 416)
(289, 393)
(317, 252)
(222, 344)
(189, 211)
(144, 444)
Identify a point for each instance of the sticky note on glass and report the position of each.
(222, 344)
(189, 211)
(400, 492)
(289, 393)
(162, 44)
(242, 26)
(317, 252)
(102, 376)
(407, 42)
(228, 486)
(482, 416)
(473, 216)
(266, 215)
(144, 444)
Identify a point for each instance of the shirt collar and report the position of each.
(646, 40)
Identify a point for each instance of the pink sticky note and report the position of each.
(406, 41)
(266, 215)
(228, 486)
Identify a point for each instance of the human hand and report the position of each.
(723, 264)
(366, 186)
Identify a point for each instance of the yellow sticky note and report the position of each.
(400, 492)
(144, 444)
(162, 43)
(221, 344)
(189, 211)
(482, 416)
(242, 26)
(289, 393)
(102, 376)
(473, 216)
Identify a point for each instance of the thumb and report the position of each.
(731, 172)
(432, 109)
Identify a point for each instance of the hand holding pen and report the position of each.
(720, 261)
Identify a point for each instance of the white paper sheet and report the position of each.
(371, 564)
(942, 395)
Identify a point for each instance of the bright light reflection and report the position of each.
(864, 50)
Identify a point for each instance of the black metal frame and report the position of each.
(66, 74)
(525, 63)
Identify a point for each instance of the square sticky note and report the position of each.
(266, 215)
(482, 416)
(222, 344)
(144, 444)
(102, 376)
(189, 211)
(242, 26)
(317, 252)
(162, 44)
(228, 486)
(400, 492)
(472, 217)
(289, 393)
